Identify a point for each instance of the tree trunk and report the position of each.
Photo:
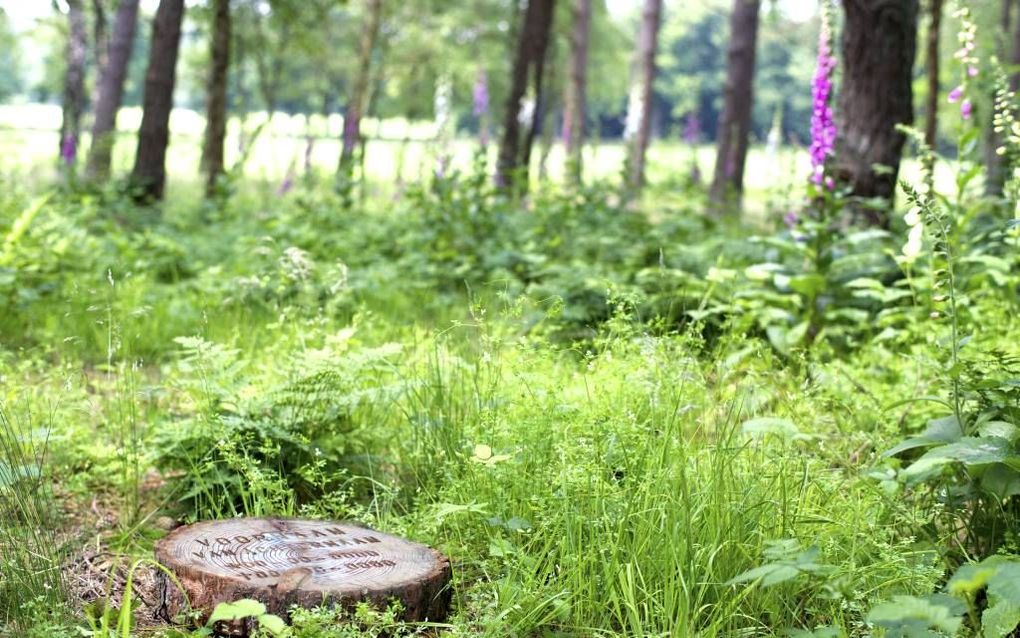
(149, 174)
(216, 98)
(995, 164)
(575, 98)
(879, 43)
(74, 81)
(111, 90)
(931, 114)
(529, 66)
(735, 119)
(647, 45)
(100, 41)
(356, 103)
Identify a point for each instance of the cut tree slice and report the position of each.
(285, 562)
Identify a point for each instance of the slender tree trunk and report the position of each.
(931, 114)
(995, 164)
(149, 174)
(735, 119)
(647, 46)
(575, 97)
(216, 98)
(74, 81)
(879, 43)
(356, 103)
(529, 66)
(111, 89)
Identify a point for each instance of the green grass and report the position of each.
(524, 390)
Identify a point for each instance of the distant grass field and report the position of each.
(398, 152)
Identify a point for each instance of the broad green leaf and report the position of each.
(1000, 429)
(272, 624)
(244, 608)
(943, 430)
(1000, 620)
(969, 450)
(911, 616)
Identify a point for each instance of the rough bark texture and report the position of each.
(149, 174)
(879, 43)
(575, 96)
(529, 66)
(738, 96)
(359, 94)
(647, 46)
(931, 112)
(110, 91)
(286, 562)
(216, 97)
(74, 80)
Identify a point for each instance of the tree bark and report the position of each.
(529, 66)
(216, 97)
(995, 164)
(879, 43)
(735, 119)
(356, 103)
(931, 114)
(111, 90)
(99, 39)
(74, 81)
(575, 98)
(647, 45)
(149, 174)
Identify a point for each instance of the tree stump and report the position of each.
(286, 562)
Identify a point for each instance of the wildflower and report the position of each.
(823, 122)
(69, 149)
(481, 95)
(965, 54)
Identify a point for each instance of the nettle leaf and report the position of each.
(939, 431)
(1000, 620)
(910, 616)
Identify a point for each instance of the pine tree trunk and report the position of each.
(879, 43)
(931, 115)
(216, 98)
(74, 81)
(356, 104)
(575, 98)
(110, 91)
(647, 46)
(529, 66)
(735, 119)
(149, 174)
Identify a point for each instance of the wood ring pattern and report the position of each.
(285, 562)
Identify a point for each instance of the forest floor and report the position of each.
(609, 417)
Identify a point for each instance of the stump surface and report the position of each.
(285, 562)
